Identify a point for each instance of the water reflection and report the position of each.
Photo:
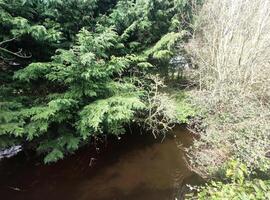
(137, 167)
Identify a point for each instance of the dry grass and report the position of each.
(231, 55)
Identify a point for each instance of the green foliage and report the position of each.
(21, 20)
(44, 25)
(166, 42)
(239, 186)
(184, 109)
(93, 101)
(73, 15)
(108, 115)
(95, 81)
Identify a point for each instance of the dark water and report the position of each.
(137, 167)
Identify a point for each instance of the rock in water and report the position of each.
(9, 152)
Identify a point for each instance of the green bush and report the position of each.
(238, 186)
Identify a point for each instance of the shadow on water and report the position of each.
(137, 167)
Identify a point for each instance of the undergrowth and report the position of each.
(231, 56)
(238, 185)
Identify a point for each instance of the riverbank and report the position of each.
(230, 55)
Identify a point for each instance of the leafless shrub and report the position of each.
(231, 52)
(160, 115)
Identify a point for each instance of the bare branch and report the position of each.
(7, 41)
(18, 54)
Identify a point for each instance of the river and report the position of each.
(135, 167)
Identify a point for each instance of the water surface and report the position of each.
(136, 167)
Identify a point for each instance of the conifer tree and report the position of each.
(96, 84)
